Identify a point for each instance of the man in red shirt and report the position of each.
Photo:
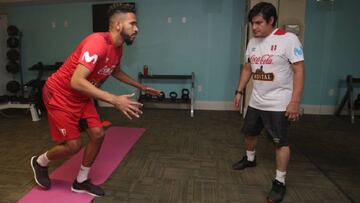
(68, 95)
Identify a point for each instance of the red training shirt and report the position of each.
(98, 54)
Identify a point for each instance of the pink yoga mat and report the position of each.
(118, 141)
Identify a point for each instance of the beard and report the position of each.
(127, 38)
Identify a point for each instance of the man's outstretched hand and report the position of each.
(129, 107)
(152, 91)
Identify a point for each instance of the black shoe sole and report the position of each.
(239, 169)
(35, 178)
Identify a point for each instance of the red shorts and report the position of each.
(64, 115)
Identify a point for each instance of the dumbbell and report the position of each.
(12, 30)
(12, 42)
(148, 97)
(173, 96)
(13, 54)
(185, 94)
(142, 97)
(161, 97)
(13, 86)
(13, 67)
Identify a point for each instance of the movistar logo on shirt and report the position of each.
(261, 75)
(298, 51)
(86, 57)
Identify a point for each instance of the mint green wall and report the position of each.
(207, 44)
(331, 49)
(42, 42)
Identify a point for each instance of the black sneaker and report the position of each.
(87, 187)
(244, 163)
(41, 174)
(277, 192)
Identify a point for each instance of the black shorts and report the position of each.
(275, 123)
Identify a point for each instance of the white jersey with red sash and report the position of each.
(271, 58)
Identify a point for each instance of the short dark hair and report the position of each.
(121, 8)
(267, 10)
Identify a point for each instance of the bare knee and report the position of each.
(73, 146)
(96, 134)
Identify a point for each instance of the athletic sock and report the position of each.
(83, 174)
(250, 155)
(280, 176)
(43, 160)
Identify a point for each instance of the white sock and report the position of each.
(83, 174)
(250, 155)
(42, 160)
(280, 176)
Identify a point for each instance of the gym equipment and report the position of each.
(148, 96)
(37, 66)
(36, 85)
(33, 110)
(357, 102)
(13, 86)
(13, 54)
(12, 30)
(348, 97)
(185, 94)
(12, 42)
(142, 97)
(173, 96)
(14, 98)
(172, 102)
(13, 67)
(58, 64)
(161, 97)
(4, 99)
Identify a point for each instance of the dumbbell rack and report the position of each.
(15, 35)
(190, 78)
(348, 97)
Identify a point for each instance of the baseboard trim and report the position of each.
(228, 106)
(199, 105)
(214, 105)
(319, 109)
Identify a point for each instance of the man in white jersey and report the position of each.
(275, 61)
